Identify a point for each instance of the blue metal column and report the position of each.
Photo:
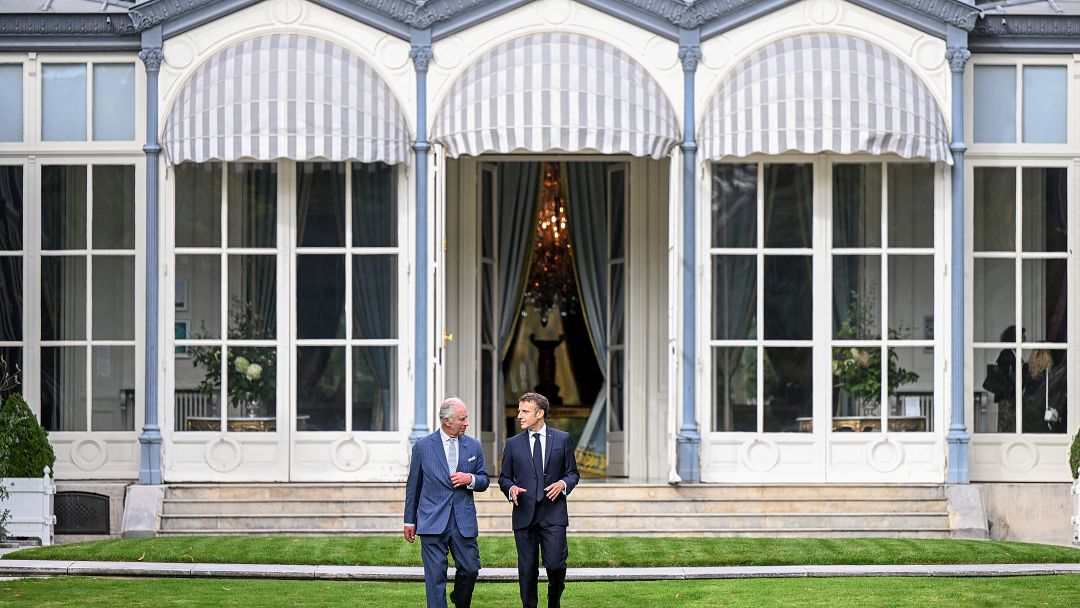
(958, 54)
(689, 438)
(421, 56)
(150, 440)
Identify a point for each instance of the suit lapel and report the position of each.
(440, 455)
(550, 439)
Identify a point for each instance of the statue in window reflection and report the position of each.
(1044, 406)
(1001, 381)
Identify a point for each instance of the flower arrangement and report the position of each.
(857, 369)
(251, 382)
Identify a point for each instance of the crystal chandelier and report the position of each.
(551, 287)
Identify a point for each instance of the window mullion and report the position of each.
(223, 333)
(348, 298)
(89, 308)
(760, 303)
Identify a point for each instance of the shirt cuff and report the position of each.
(409, 525)
(471, 483)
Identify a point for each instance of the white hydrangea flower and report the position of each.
(241, 364)
(253, 371)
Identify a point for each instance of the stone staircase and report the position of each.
(596, 508)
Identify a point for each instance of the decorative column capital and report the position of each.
(957, 57)
(421, 56)
(152, 57)
(689, 56)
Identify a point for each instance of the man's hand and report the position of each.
(459, 479)
(410, 533)
(514, 491)
(553, 491)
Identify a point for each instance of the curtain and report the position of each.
(519, 186)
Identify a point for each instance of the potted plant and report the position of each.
(26, 461)
(1074, 466)
(251, 386)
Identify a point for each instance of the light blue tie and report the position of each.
(451, 459)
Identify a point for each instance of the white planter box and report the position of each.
(1076, 511)
(30, 501)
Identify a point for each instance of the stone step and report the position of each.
(656, 532)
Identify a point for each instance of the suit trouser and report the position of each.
(433, 549)
(551, 542)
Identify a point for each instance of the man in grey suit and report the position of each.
(538, 472)
(447, 467)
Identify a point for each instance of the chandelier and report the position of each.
(551, 287)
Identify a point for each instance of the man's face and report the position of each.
(458, 422)
(530, 416)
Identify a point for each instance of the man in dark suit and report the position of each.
(538, 473)
(447, 467)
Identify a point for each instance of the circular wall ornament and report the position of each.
(89, 454)
(1019, 456)
(223, 455)
(555, 11)
(394, 54)
(181, 52)
(929, 54)
(662, 53)
(448, 53)
(286, 11)
(759, 455)
(884, 455)
(348, 453)
(716, 52)
(822, 11)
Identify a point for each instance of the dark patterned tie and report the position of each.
(538, 466)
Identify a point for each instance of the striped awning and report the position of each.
(823, 92)
(285, 96)
(556, 92)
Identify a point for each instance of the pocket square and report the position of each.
(472, 459)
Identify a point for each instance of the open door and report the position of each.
(490, 411)
(442, 335)
(615, 366)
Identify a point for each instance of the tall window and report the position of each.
(65, 91)
(1020, 299)
(12, 264)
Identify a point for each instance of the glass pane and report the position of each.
(487, 392)
(734, 389)
(617, 321)
(114, 206)
(911, 205)
(114, 102)
(616, 391)
(1045, 401)
(734, 205)
(63, 207)
(11, 100)
(994, 103)
(114, 297)
(1045, 300)
(375, 291)
(857, 206)
(995, 390)
(374, 406)
(11, 208)
(113, 378)
(789, 201)
(320, 296)
(911, 389)
(856, 297)
(63, 104)
(487, 214)
(618, 212)
(320, 204)
(856, 387)
(11, 298)
(994, 298)
(252, 204)
(789, 395)
(1045, 100)
(487, 320)
(252, 297)
(734, 287)
(788, 297)
(63, 388)
(11, 363)
(911, 297)
(995, 209)
(197, 397)
(374, 204)
(320, 388)
(198, 205)
(1045, 208)
(198, 294)
(252, 388)
(63, 298)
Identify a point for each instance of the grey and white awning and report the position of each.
(823, 93)
(286, 96)
(556, 92)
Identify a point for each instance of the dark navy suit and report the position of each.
(539, 522)
(445, 517)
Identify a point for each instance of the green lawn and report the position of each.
(831, 592)
(584, 551)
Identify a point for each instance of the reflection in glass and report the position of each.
(113, 391)
(911, 205)
(487, 317)
(1045, 394)
(114, 207)
(993, 297)
(114, 101)
(12, 358)
(616, 390)
(63, 102)
(911, 297)
(995, 390)
(994, 101)
(1045, 209)
(374, 406)
(789, 201)
(11, 207)
(911, 389)
(617, 196)
(995, 209)
(374, 201)
(198, 205)
(856, 297)
(857, 205)
(618, 305)
(487, 214)
(252, 204)
(375, 311)
(487, 393)
(856, 376)
(63, 207)
(1046, 98)
(252, 378)
(320, 388)
(734, 297)
(63, 298)
(320, 296)
(734, 389)
(198, 293)
(320, 204)
(63, 388)
(11, 298)
(114, 297)
(197, 393)
(734, 205)
(1045, 297)
(789, 395)
(788, 297)
(11, 102)
(252, 297)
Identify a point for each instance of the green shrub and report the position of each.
(1074, 456)
(24, 444)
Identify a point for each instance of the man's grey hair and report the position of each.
(446, 410)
